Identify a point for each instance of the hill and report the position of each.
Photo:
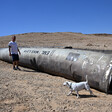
(62, 39)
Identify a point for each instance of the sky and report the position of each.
(81, 16)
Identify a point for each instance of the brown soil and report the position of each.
(31, 91)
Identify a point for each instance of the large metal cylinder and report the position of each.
(70, 63)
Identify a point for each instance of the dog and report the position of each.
(78, 86)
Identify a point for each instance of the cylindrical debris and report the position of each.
(70, 63)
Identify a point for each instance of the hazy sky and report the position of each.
(85, 16)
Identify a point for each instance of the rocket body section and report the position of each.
(70, 63)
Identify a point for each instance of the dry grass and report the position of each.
(31, 91)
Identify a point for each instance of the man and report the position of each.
(13, 51)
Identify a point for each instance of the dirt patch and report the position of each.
(31, 91)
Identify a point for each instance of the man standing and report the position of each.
(13, 51)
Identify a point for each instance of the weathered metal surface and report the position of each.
(70, 63)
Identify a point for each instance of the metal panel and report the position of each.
(71, 63)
